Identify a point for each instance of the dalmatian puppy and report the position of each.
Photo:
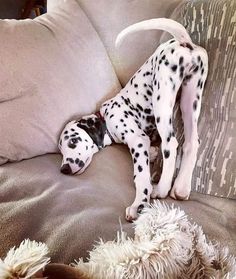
(143, 109)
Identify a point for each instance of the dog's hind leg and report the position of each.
(140, 150)
(164, 94)
(190, 105)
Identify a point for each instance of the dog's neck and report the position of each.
(108, 139)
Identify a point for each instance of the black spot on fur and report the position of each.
(140, 145)
(158, 119)
(196, 69)
(201, 64)
(195, 105)
(136, 85)
(188, 77)
(181, 60)
(150, 119)
(90, 122)
(181, 72)
(132, 150)
(149, 93)
(139, 107)
(131, 81)
(70, 160)
(158, 97)
(144, 200)
(166, 154)
(147, 111)
(136, 155)
(140, 208)
(140, 169)
(81, 164)
(174, 68)
(172, 50)
(145, 191)
(199, 83)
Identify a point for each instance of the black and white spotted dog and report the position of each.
(143, 108)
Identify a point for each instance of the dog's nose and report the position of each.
(66, 169)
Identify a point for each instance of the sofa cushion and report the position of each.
(215, 168)
(109, 17)
(53, 68)
(70, 213)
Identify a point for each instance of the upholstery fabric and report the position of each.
(53, 68)
(212, 24)
(109, 17)
(70, 213)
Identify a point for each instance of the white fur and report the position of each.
(174, 28)
(25, 261)
(165, 245)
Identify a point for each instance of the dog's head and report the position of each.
(79, 141)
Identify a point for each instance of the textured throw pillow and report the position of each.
(212, 24)
(52, 69)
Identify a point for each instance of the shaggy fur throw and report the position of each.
(166, 245)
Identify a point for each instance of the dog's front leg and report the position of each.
(139, 149)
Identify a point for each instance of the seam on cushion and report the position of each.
(102, 44)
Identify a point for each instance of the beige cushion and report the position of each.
(215, 168)
(70, 213)
(53, 68)
(109, 17)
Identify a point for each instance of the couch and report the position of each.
(70, 213)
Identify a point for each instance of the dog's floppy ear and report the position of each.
(95, 128)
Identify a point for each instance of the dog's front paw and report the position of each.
(133, 211)
(159, 191)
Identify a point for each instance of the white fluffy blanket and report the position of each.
(166, 245)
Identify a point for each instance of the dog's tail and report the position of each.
(176, 29)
